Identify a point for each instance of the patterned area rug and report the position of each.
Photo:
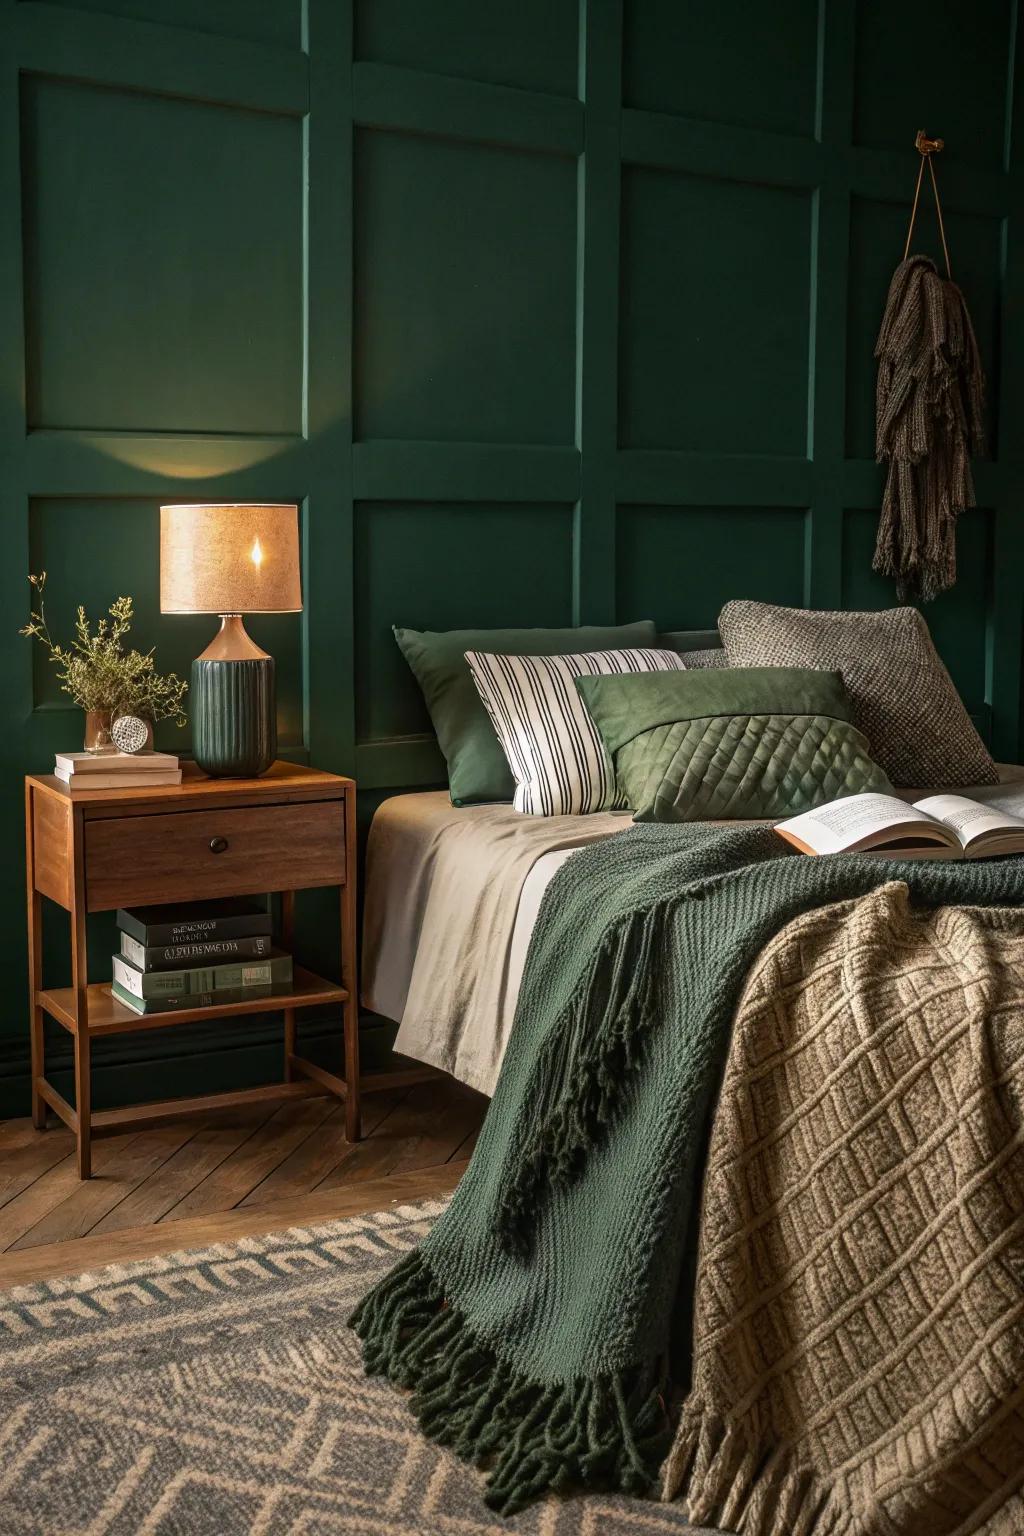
(219, 1393)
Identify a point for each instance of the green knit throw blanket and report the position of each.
(546, 1316)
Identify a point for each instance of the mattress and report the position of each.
(452, 896)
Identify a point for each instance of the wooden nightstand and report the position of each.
(291, 829)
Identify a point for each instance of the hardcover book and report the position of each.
(68, 764)
(227, 919)
(172, 957)
(241, 976)
(80, 782)
(188, 1000)
(938, 827)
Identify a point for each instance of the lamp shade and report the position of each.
(229, 558)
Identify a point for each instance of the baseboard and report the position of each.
(194, 1058)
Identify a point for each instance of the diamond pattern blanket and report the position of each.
(859, 1314)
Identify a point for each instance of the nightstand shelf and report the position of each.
(291, 829)
(108, 1016)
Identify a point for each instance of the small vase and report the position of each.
(97, 730)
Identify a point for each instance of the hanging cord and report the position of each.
(926, 148)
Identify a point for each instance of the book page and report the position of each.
(968, 818)
(844, 824)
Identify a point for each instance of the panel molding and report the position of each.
(395, 470)
(448, 106)
(403, 762)
(69, 463)
(598, 188)
(86, 46)
(674, 476)
(662, 141)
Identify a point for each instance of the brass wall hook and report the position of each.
(926, 146)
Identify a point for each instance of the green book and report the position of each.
(236, 975)
(186, 1000)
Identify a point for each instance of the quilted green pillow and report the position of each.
(723, 744)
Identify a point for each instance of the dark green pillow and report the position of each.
(477, 769)
(724, 744)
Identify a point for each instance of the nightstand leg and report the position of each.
(287, 939)
(37, 1040)
(80, 983)
(83, 1096)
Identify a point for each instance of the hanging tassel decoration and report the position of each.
(929, 416)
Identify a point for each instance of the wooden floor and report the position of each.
(206, 1179)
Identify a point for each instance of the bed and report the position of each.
(452, 895)
(755, 1153)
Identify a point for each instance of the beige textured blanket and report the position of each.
(859, 1322)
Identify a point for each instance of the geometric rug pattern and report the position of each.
(218, 1392)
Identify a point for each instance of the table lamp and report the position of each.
(230, 559)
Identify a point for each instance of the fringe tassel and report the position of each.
(725, 1481)
(607, 1432)
(595, 1048)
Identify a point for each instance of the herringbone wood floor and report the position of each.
(200, 1179)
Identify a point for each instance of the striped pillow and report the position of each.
(554, 749)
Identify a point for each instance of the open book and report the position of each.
(938, 827)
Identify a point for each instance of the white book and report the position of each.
(67, 763)
(937, 827)
(79, 783)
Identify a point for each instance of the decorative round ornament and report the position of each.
(129, 733)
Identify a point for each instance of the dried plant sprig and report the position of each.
(98, 673)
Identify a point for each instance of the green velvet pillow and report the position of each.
(477, 769)
(735, 743)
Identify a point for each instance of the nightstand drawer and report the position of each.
(193, 855)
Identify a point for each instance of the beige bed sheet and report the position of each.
(442, 949)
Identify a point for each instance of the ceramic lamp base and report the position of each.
(234, 716)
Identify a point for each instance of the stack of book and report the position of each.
(116, 770)
(197, 956)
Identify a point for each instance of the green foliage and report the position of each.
(98, 673)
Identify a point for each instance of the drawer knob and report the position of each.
(218, 844)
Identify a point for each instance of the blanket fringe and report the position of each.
(581, 1072)
(726, 1480)
(606, 1432)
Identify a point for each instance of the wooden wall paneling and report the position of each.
(1005, 624)
(65, 42)
(724, 62)
(279, 24)
(830, 254)
(674, 560)
(15, 668)
(562, 310)
(170, 163)
(598, 191)
(327, 621)
(531, 46)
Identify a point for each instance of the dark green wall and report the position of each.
(545, 312)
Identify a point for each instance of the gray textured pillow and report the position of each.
(902, 696)
(695, 661)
